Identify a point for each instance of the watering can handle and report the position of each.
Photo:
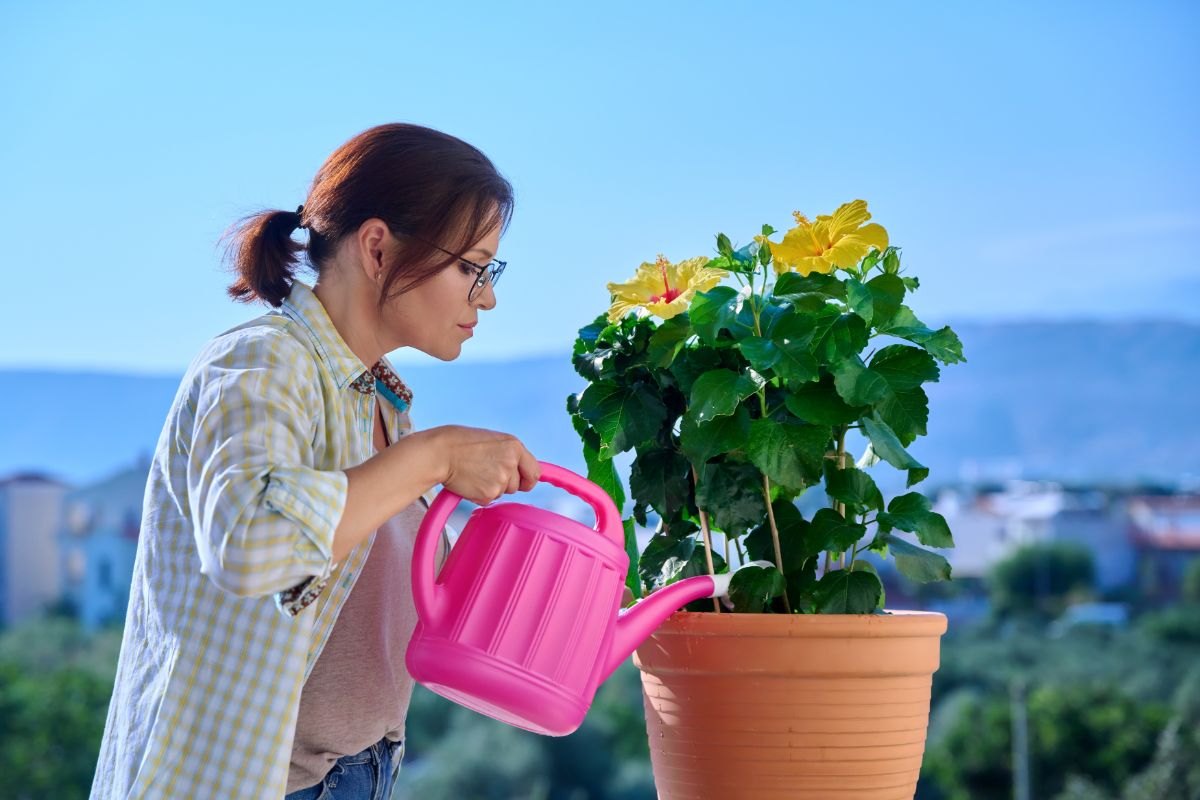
(608, 516)
(427, 596)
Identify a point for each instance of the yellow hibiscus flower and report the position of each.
(837, 241)
(662, 288)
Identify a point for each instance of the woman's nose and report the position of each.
(487, 297)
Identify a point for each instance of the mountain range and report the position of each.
(1074, 401)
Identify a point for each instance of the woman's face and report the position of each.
(436, 317)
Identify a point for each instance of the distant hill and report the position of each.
(1076, 401)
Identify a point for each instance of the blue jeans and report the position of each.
(368, 775)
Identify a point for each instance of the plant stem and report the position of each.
(737, 544)
(839, 506)
(707, 540)
(775, 538)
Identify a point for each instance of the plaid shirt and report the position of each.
(234, 588)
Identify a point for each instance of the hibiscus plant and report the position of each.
(737, 400)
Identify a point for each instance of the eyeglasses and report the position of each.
(484, 272)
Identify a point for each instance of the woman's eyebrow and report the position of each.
(487, 253)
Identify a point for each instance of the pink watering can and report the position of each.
(524, 621)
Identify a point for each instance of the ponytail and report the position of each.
(263, 255)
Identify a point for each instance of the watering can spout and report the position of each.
(636, 623)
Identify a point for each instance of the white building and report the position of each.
(99, 543)
(30, 516)
(988, 526)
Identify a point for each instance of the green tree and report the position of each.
(1191, 582)
(1088, 730)
(1041, 580)
(55, 684)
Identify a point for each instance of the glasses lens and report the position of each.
(491, 275)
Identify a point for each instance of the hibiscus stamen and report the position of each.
(668, 294)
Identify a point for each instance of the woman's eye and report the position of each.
(466, 270)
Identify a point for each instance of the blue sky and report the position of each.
(1033, 160)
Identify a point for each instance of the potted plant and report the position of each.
(736, 401)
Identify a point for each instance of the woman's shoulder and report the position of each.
(272, 341)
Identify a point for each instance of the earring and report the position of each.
(378, 274)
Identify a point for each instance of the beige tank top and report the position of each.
(359, 689)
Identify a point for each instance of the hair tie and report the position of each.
(300, 213)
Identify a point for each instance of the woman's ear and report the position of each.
(373, 240)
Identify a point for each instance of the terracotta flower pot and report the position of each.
(803, 706)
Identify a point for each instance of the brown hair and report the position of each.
(419, 181)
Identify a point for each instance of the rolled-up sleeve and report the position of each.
(263, 517)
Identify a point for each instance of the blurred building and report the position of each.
(1165, 530)
(30, 516)
(989, 525)
(99, 539)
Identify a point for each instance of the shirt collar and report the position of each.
(303, 305)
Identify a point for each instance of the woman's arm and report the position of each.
(385, 484)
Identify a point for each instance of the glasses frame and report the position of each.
(493, 269)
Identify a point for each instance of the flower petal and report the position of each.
(874, 235)
(849, 217)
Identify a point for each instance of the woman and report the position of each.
(263, 652)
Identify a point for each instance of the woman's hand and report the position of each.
(480, 465)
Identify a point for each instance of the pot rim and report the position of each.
(892, 624)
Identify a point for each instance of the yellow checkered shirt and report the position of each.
(234, 588)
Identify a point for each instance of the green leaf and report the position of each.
(661, 478)
(820, 404)
(857, 385)
(847, 336)
(943, 344)
(731, 492)
(862, 565)
(904, 367)
(632, 579)
(792, 334)
(718, 392)
(832, 532)
(788, 454)
(747, 255)
(589, 333)
(600, 470)
(664, 558)
(916, 475)
(906, 413)
(713, 311)
(623, 417)
(792, 283)
(794, 538)
(858, 297)
(667, 339)
(887, 293)
(852, 487)
(887, 446)
(698, 563)
(844, 592)
(702, 441)
(917, 563)
(767, 230)
(761, 353)
(911, 512)
(753, 587)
